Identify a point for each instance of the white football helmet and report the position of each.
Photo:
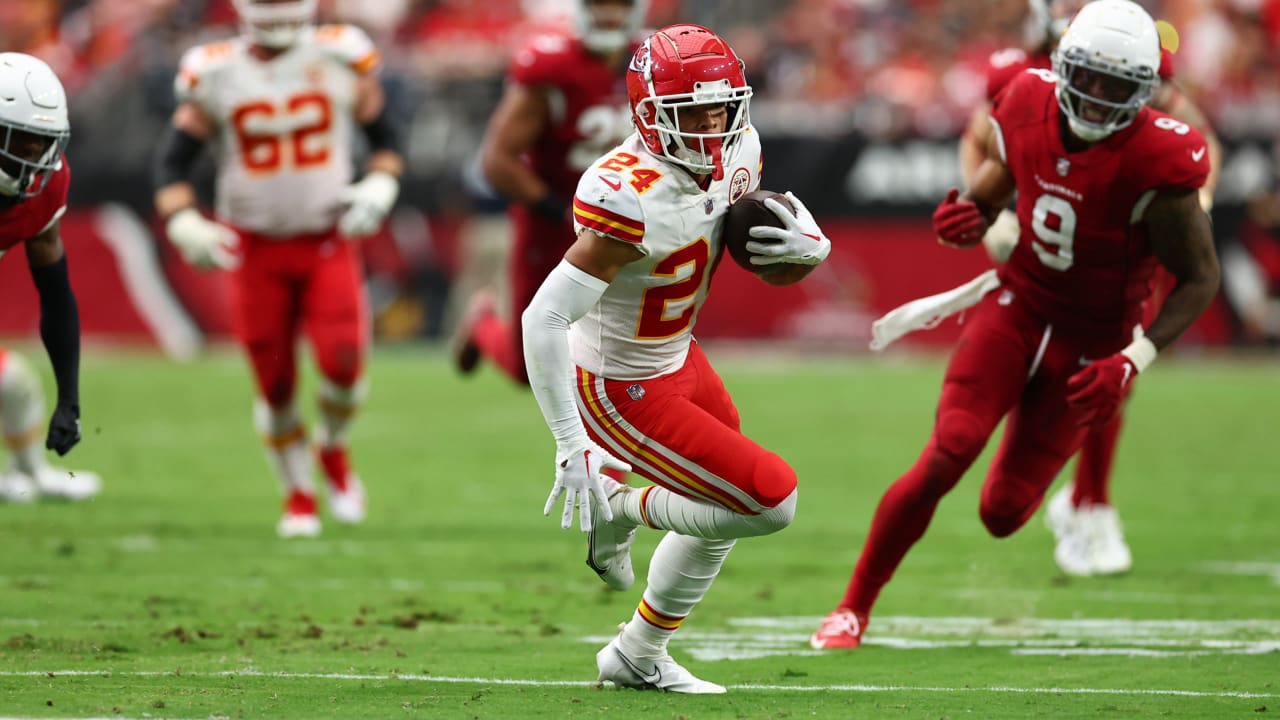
(1108, 43)
(602, 39)
(33, 124)
(275, 24)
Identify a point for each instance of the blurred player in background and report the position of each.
(34, 178)
(283, 103)
(1087, 527)
(564, 105)
(611, 357)
(1106, 189)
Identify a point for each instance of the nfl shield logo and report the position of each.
(1064, 167)
(636, 392)
(709, 205)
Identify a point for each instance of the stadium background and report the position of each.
(859, 103)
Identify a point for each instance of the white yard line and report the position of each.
(998, 689)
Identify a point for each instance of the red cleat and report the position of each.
(466, 353)
(841, 630)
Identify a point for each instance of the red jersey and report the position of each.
(1084, 260)
(25, 219)
(1005, 65)
(589, 110)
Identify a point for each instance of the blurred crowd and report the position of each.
(882, 67)
(824, 70)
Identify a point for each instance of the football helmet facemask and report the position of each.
(1107, 64)
(600, 34)
(676, 69)
(275, 24)
(33, 124)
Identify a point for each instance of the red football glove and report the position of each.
(1099, 389)
(959, 223)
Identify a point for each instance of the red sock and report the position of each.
(1093, 465)
(900, 520)
(496, 340)
(334, 462)
(300, 503)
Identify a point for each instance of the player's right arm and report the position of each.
(963, 220)
(203, 243)
(1002, 236)
(568, 293)
(521, 117)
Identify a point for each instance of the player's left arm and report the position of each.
(60, 331)
(1182, 240)
(372, 197)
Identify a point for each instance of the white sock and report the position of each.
(659, 508)
(680, 573)
(286, 444)
(22, 414)
(338, 406)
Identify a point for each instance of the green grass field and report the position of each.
(169, 596)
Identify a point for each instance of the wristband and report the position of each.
(1141, 352)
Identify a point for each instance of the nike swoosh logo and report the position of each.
(814, 238)
(610, 183)
(1196, 155)
(1128, 370)
(652, 678)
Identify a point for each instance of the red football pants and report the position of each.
(1007, 362)
(682, 432)
(313, 284)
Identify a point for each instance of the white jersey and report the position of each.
(285, 126)
(642, 326)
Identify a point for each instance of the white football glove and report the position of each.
(368, 203)
(578, 478)
(1002, 236)
(801, 242)
(203, 243)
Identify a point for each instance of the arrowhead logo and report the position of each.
(1197, 154)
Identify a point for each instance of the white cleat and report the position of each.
(298, 525)
(609, 547)
(1074, 551)
(63, 484)
(1060, 511)
(17, 488)
(1110, 553)
(661, 673)
(348, 506)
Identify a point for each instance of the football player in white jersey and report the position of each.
(282, 104)
(611, 357)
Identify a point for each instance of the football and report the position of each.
(748, 212)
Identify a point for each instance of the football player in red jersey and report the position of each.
(565, 104)
(1090, 540)
(34, 178)
(1106, 191)
(282, 105)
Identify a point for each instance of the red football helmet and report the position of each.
(683, 66)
